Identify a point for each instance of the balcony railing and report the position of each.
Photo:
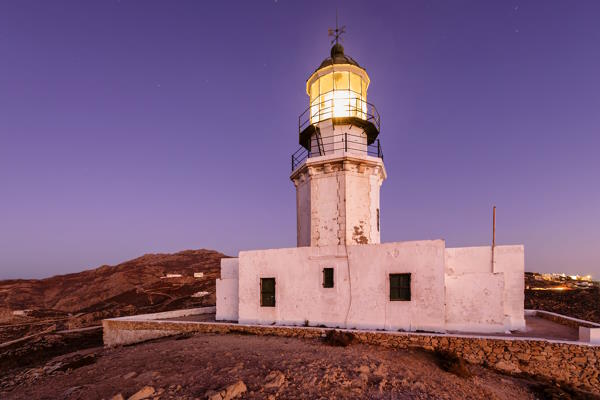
(339, 104)
(343, 144)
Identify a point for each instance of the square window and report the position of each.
(327, 277)
(267, 292)
(399, 287)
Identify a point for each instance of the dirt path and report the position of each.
(304, 369)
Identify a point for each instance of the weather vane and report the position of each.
(337, 32)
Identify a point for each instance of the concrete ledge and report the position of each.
(168, 314)
(589, 335)
(561, 319)
(124, 330)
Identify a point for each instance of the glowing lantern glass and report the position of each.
(337, 92)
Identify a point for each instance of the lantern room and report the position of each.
(337, 91)
(338, 118)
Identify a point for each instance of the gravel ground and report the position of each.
(270, 367)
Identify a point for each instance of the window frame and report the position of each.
(401, 289)
(325, 281)
(263, 293)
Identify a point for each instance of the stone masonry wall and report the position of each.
(566, 362)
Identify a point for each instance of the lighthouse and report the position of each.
(340, 274)
(338, 170)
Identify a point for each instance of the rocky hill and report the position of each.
(133, 287)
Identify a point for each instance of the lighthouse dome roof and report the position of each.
(338, 57)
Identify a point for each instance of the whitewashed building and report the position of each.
(340, 275)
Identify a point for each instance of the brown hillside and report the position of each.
(131, 287)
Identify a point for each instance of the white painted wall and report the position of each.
(589, 335)
(303, 212)
(466, 260)
(230, 268)
(358, 209)
(474, 302)
(370, 267)
(299, 294)
(326, 207)
(360, 296)
(337, 198)
(469, 301)
(509, 262)
(375, 210)
(227, 291)
(333, 140)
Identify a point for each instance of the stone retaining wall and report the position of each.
(572, 363)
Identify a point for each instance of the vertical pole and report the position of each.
(493, 236)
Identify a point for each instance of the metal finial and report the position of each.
(337, 32)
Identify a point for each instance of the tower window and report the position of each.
(327, 277)
(378, 220)
(267, 292)
(399, 287)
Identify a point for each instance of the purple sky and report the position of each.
(129, 127)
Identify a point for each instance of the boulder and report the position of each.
(230, 392)
(506, 366)
(143, 393)
(274, 380)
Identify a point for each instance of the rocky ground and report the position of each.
(251, 367)
(43, 347)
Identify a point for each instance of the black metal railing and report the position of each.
(339, 107)
(343, 144)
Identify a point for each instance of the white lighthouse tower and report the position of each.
(339, 169)
(340, 274)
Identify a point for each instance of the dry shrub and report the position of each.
(449, 362)
(339, 338)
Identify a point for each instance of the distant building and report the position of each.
(168, 276)
(340, 275)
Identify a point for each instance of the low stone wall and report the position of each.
(562, 319)
(572, 363)
(125, 330)
(567, 362)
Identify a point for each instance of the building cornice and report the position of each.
(358, 164)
